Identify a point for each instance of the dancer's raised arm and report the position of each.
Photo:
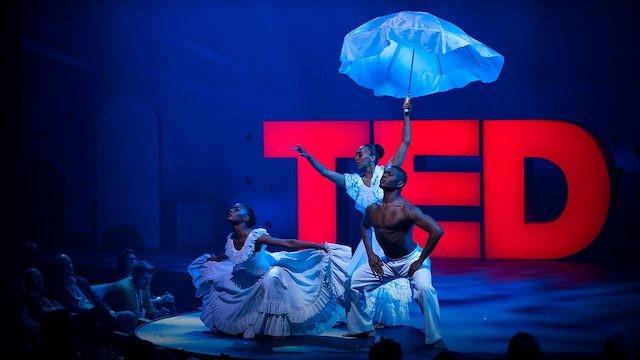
(291, 244)
(398, 157)
(335, 177)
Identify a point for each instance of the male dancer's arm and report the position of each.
(398, 157)
(292, 244)
(435, 231)
(365, 233)
(335, 177)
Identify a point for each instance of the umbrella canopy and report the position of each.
(415, 53)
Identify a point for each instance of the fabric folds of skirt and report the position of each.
(301, 293)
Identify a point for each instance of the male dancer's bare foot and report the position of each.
(362, 335)
(438, 344)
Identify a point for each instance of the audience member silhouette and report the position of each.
(34, 299)
(615, 347)
(132, 293)
(31, 255)
(34, 305)
(74, 293)
(126, 259)
(385, 349)
(125, 262)
(523, 346)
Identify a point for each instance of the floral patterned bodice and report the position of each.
(360, 193)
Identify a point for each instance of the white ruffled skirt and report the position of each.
(295, 293)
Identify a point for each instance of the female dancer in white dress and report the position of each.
(251, 292)
(389, 304)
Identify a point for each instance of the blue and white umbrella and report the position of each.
(415, 53)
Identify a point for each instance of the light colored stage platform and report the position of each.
(186, 332)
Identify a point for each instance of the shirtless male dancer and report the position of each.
(393, 223)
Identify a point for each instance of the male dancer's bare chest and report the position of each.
(391, 226)
(393, 230)
(389, 218)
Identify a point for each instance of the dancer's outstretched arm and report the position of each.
(335, 177)
(398, 157)
(290, 244)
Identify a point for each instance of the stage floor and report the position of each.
(186, 332)
(569, 307)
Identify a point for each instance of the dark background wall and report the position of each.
(142, 120)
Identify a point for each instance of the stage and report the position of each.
(186, 332)
(569, 307)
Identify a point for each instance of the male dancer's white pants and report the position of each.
(364, 280)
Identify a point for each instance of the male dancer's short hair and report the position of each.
(402, 173)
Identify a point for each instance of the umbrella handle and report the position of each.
(413, 54)
(406, 100)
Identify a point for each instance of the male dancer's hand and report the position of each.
(376, 265)
(415, 266)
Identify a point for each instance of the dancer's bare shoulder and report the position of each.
(371, 211)
(370, 215)
(371, 208)
(411, 211)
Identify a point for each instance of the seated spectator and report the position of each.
(35, 301)
(75, 294)
(126, 259)
(132, 293)
(385, 349)
(31, 255)
(523, 346)
(616, 347)
(34, 306)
